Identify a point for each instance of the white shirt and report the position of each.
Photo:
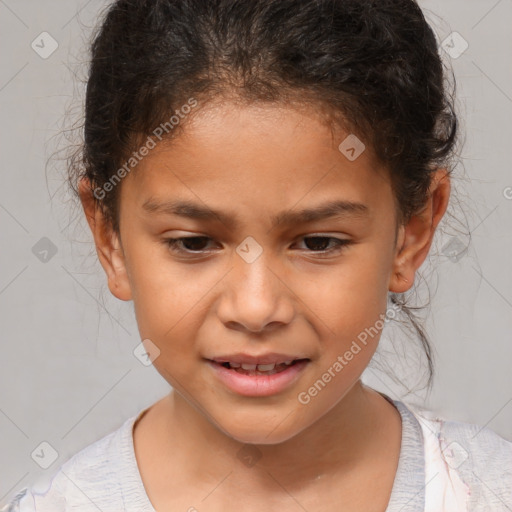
(444, 466)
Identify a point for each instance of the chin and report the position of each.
(258, 431)
(259, 437)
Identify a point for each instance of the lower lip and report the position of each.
(258, 385)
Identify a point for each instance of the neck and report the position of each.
(344, 439)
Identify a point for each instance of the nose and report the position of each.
(255, 297)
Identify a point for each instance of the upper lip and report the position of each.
(268, 358)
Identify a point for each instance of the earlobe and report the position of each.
(399, 283)
(415, 238)
(115, 267)
(108, 245)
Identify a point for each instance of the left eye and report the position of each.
(196, 244)
(318, 243)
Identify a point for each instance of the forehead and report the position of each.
(260, 157)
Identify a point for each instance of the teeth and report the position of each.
(260, 367)
(266, 367)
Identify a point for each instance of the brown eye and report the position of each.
(317, 243)
(187, 244)
(321, 243)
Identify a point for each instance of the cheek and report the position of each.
(348, 297)
(349, 303)
(164, 294)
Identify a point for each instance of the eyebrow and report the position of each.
(196, 211)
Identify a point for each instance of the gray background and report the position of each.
(68, 375)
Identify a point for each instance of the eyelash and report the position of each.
(174, 243)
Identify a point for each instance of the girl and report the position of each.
(263, 179)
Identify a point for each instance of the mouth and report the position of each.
(259, 369)
(256, 378)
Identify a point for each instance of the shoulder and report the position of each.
(469, 445)
(89, 480)
(470, 456)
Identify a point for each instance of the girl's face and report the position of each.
(292, 258)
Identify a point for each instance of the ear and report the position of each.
(108, 244)
(415, 238)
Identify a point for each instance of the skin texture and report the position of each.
(254, 162)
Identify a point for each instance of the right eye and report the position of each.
(189, 244)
